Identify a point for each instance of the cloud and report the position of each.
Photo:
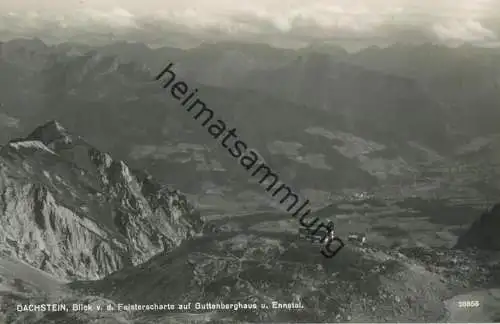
(468, 31)
(118, 17)
(390, 20)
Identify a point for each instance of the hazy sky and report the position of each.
(475, 21)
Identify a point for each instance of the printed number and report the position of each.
(468, 303)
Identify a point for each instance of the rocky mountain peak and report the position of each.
(483, 233)
(76, 213)
(51, 132)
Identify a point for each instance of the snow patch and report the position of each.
(37, 145)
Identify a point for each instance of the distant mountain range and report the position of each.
(326, 118)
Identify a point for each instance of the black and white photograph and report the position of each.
(215, 161)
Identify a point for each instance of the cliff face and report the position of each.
(483, 233)
(73, 211)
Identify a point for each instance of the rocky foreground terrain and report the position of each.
(78, 227)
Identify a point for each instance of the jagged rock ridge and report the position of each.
(73, 211)
(483, 233)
